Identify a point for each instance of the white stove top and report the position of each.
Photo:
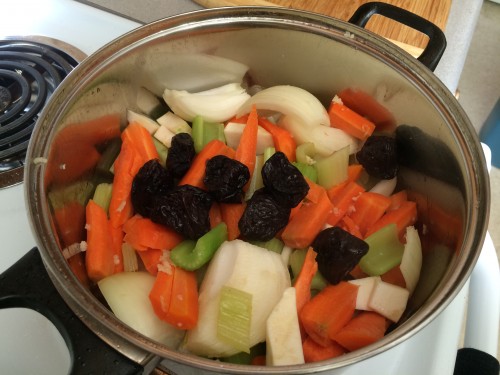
(431, 351)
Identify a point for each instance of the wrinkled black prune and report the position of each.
(338, 253)
(378, 156)
(263, 217)
(284, 181)
(225, 179)
(184, 209)
(180, 154)
(151, 181)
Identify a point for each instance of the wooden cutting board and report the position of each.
(436, 11)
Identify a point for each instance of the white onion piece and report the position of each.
(411, 263)
(214, 105)
(385, 187)
(127, 295)
(326, 139)
(290, 101)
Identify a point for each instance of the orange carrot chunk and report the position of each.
(364, 329)
(343, 118)
(174, 297)
(343, 201)
(368, 208)
(314, 352)
(231, 215)
(143, 233)
(403, 217)
(330, 310)
(282, 139)
(141, 140)
(151, 258)
(307, 222)
(99, 257)
(303, 281)
(247, 148)
(194, 176)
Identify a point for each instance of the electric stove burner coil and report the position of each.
(30, 71)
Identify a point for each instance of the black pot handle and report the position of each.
(27, 284)
(437, 41)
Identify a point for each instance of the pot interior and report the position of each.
(443, 168)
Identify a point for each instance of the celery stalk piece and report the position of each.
(102, 195)
(332, 170)
(307, 170)
(268, 152)
(204, 132)
(130, 263)
(79, 192)
(197, 133)
(384, 253)
(296, 261)
(256, 179)
(274, 244)
(191, 255)
(305, 153)
(162, 151)
(234, 319)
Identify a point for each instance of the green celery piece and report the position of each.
(305, 153)
(256, 180)
(162, 151)
(191, 255)
(109, 156)
(268, 152)
(79, 192)
(204, 132)
(332, 170)
(235, 318)
(274, 244)
(384, 253)
(307, 170)
(297, 260)
(102, 195)
(197, 133)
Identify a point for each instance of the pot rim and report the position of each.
(138, 347)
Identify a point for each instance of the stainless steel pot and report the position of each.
(281, 46)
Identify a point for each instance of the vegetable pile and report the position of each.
(263, 229)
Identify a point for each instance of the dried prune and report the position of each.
(338, 253)
(180, 154)
(151, 181)
(225, 179)
(284, 181)
(185, 209)
(263, 217)
(379, 157)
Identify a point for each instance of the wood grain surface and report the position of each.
(436, 11)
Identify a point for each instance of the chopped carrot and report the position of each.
(303, 281)
(116, 241)
(394, 276)
(70, 222)
(77, 265)
(258, 360)
(315, 191)
(403, 217)
(282, 139)
(347, 224)
(120, 206)
(174, 297)
(368, 208)
(346, 119)
(194, 176)
(397, 199)
(231, 215)
(99, 257)
(307, 222)
(150, 258)
(327, 312)
(314, 352)
(343, 201)
(141, 140)
(239, 120)
(364, 104)
(354, 172)
(364, 329)
(247, 148)
(142, 234)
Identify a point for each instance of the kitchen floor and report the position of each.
(479, 89)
